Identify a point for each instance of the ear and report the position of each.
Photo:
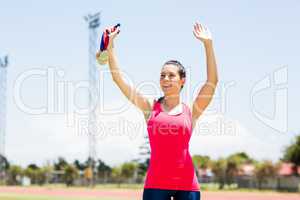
(183, 81)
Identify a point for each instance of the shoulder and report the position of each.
(156, 101)
(152, 102)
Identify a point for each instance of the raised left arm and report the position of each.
(208, 89)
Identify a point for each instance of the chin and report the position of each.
(171, 94)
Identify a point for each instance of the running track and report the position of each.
(126, 194)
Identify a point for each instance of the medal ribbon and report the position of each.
(105, 37)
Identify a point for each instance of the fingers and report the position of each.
(195, 34)
(115, 30)
(200, 28)
(196, 28)
(112, 32)
(195, 31)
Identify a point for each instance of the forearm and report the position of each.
(212, 74)
(113, 65)
(128, 90)
(116, 74)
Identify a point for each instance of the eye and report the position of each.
(172, 75)
(162, 76)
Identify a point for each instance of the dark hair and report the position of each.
(181, 69)
(160, 99)
(181, 72)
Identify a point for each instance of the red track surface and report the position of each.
(137, 194)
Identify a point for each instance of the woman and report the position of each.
(170, 123)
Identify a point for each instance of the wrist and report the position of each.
(109, 50)
(207, 43)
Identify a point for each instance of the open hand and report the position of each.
(202, 33)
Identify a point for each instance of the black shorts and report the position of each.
(161, 194)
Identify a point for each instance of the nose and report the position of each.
(165, 77)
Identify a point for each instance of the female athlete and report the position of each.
(170, 123)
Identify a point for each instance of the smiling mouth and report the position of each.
(167, 86)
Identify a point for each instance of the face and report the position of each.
(170, 81)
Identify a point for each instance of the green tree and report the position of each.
(143, 166)
(234, 164)
(124, 172)
(70, 175)
(33, 166)
(263, 171)
(117, 175)
(241, 158)
(61, 164)
(202, 162)
(31, 173)
(128, 169)
(104, 171)
(232, 169)
(4, 164)
(14, 174)
(43, 175)
(80, 166)
(219, 169)
(38, 175)
(292, 153)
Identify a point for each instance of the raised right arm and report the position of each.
(130, 92)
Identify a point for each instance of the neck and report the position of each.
(171, 102)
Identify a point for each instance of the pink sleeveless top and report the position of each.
(171, 165)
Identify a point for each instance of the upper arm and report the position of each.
(202, 100)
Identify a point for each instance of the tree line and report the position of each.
(91, 172)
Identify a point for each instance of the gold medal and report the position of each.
(102, 54)
(103, 58)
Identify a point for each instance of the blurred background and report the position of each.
(64, 121)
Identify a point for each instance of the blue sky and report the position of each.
(252, 40)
